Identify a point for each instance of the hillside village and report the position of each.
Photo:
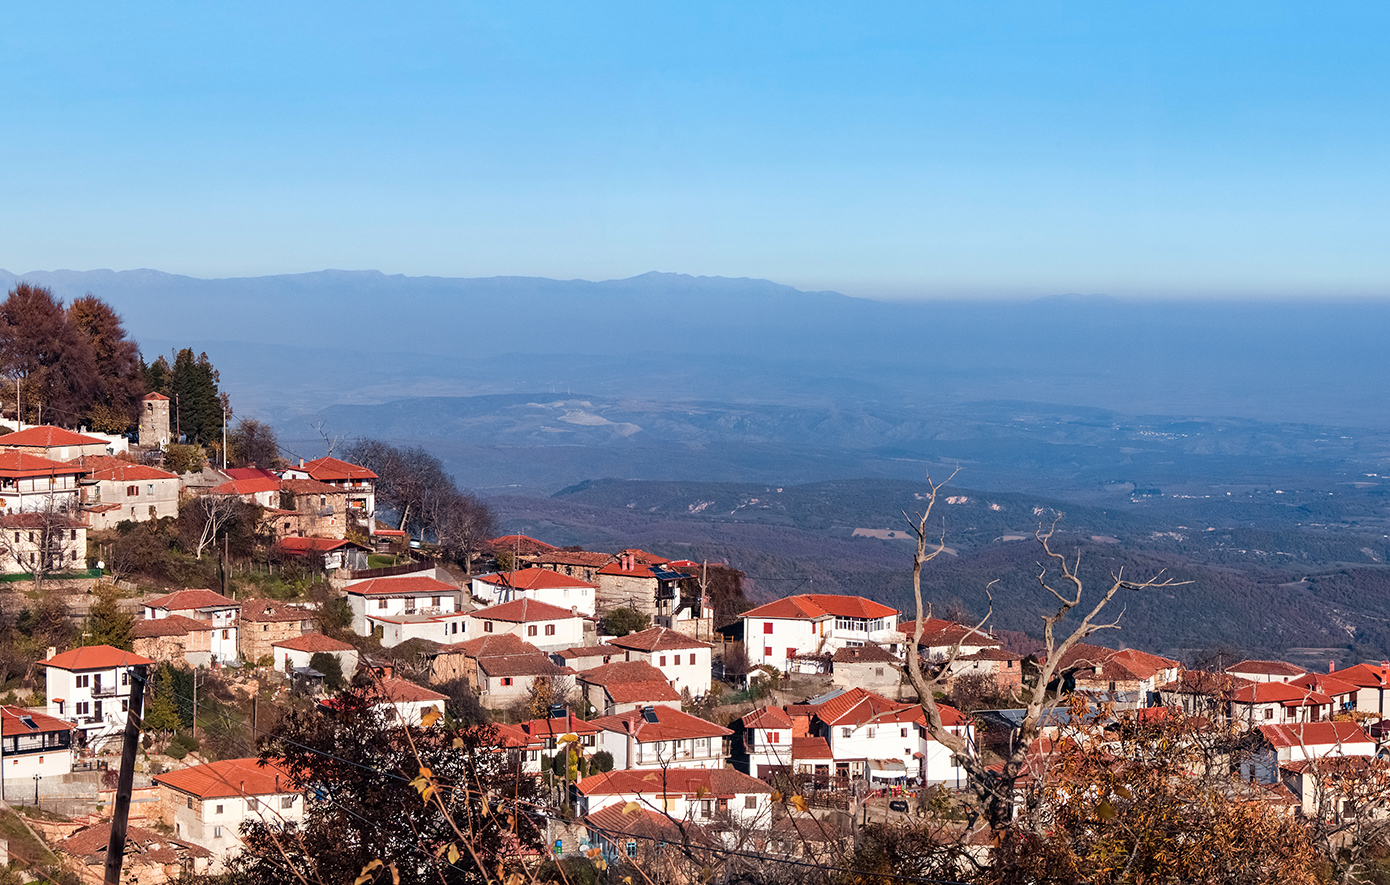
(640, 716)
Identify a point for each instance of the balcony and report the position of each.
(108, 691)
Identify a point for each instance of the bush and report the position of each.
(625, 620)
(331, 668)
(601, 761)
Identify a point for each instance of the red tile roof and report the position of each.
(95, 657)
(533, 579)
(190, 600)
(106, 467)
(1278, 693)
(602, 650)
(859, 706)
(532, 664)
(492, 645)
(522, 611)
(1328, 685)
(405, 585)
(863, 654)
(270, 610)
(671, 725)
(399, 691)
(155, 396)
(228, 778)
(574, 557)
(657, 639)
(810, 748)
(296, 544)
(1315, 734)
(39, 519)
(536, 729)
(49, 437)
(615, 822)
(623, 671)
(938, 632)
(250, 473)
(247, 487)
(312, 642)
(19, 464)
(767, 717)
(328, 468)
(722, 783)
(12, 722)
(522, 544)
(173, 625)
(301, 487)
(1366, 675)
(814, 606)
(1266, 668)
(652, 691)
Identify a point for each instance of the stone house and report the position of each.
(207, 804)
(53, 443)
(329, 554)
(202, 605)
(176, 639)
(154, 421)
(639, 580)
(579, 564)
(357, 483)
(867, 666)
(265, 622)
(321, 507)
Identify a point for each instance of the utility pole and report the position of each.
(120, 816)
(195, 703)
(224, 437)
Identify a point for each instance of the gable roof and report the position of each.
(228, 778)
(109, 468)
(12, 722)
(1366, 675)
(814, 606)
(767, 717)
(255, 486)
(1278, 693)
(585, 558)
(522, 544)
(297, 544)
(858, 706)
(48, 436)
(713, 782)
(671, 724)
(602, 650)
(863, 654)
(938, 632)
(632, 682)
(533, 579)
(527, 664)
(1328, 685)
(312, 642)
(272, 610)
(811, 748)
(173, 625)
(1314, 734)
(617, 821)
(492, 645)
(1266, 668)
(400, 691)
(95, 657)
(330, 468)
(657, 639)
(404, 585)
(557, 727)
(18, 464)
(523, 611)
(191, 600)
(299, 487)
(622, 671)
(249, 473)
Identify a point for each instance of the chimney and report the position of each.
(301, 462)
(52, 652)
(1331, 666)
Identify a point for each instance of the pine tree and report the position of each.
(107, 622)
(163, 714)
(198, 403)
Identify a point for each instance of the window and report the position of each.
(286, 801)
(381, 603)
(750, 801)
(791, 653)
(1269, 714)
(767, 627)
(487, 626)
(706, 808)
(531, 630)
(217, 832)
(83, 708)
(871, 732)
(217, 810)
(434, 601)
(772, 737)
(226, 634)
(456, 626)
(631, 849)
(663, 661)
(549, 629)
(83, 681)
(252, 804)
(132, 491)
(506, 680)
(767, 651)
(845, 732)
(879, 671)
(677, 660)
(1008, 665)
(190, 801)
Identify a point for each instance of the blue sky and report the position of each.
(884, 150)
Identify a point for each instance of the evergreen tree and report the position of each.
(107, 622)
(198, 404)
(163, 714)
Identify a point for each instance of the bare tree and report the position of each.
(208, 515)
(993, 790)
(41, 540)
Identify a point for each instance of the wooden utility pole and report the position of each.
(120, 815)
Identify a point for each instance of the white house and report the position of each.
(33, 744)
(1373, 684)
(53, 541)
(661, 737)
(626, 685)
(54, 443)
(408, 599)
(409, 703)
(202, 605)
(1280, 745)
(764, 746)
(298, 650)
(685, 662)
(1266, 671)
(207, 804)
(547, 627)
(697, 795)
(1278, 703)
(118, 491)
(90, 687)
(873, 737)
(542, 585)
(816, 624)
(30, 482)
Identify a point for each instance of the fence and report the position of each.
(392, 571)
